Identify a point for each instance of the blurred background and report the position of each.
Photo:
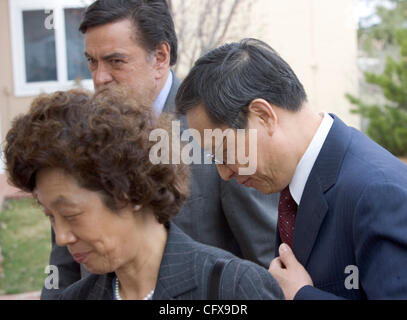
(351, 56)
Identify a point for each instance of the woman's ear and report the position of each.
(263, 114)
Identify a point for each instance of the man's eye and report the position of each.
(116, 62)
(213, 159)
(91, 61)
(225, 156)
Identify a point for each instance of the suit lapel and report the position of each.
(177, 271)
(310, 216)
(314, 207)
(102, 288)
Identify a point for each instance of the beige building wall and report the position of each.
(316, 37)
(10, 106)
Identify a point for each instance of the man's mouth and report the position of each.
(244, 182)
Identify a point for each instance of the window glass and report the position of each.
(40, 52)
(75, 47)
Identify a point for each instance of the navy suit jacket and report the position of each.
(353, 212)
(184, 275)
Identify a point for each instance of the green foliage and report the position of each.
(381, 36)
(388, 123)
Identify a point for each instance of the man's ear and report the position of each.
(162, 57)
(263, 113)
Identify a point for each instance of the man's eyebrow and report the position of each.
(87, 55)
(115, 55)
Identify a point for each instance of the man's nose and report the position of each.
(102, 76)
(63, 233)
(225, 172)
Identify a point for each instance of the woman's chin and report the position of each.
(97, 269)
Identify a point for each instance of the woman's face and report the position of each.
(97, 237)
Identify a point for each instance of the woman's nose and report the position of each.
(63, 233)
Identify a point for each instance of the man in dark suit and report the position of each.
(342, 213)
(133, 43)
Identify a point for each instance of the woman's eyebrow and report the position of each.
(62, 201)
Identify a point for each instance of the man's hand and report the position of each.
(289, 273)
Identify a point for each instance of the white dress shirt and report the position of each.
(159, 102)
(307, 162)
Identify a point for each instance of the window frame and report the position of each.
(23, 88)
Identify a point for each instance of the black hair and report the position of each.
(226, 80)
(151, 18)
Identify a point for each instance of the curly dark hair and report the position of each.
(102, 141)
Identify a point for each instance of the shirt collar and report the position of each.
(159, 103)
(307, 162)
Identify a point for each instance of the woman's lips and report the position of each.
(80, 257)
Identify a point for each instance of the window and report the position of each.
(47, 48)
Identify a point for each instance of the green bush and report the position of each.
(387, 124)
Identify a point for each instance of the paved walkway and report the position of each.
(24, 296)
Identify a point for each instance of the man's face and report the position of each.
(116, 58)
(273, 171)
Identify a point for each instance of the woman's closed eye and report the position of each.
(72, 217)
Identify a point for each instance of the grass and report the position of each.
(25, 240)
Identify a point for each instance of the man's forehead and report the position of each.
(199, 120)
(110, 38)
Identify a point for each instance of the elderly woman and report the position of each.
(86, 160)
